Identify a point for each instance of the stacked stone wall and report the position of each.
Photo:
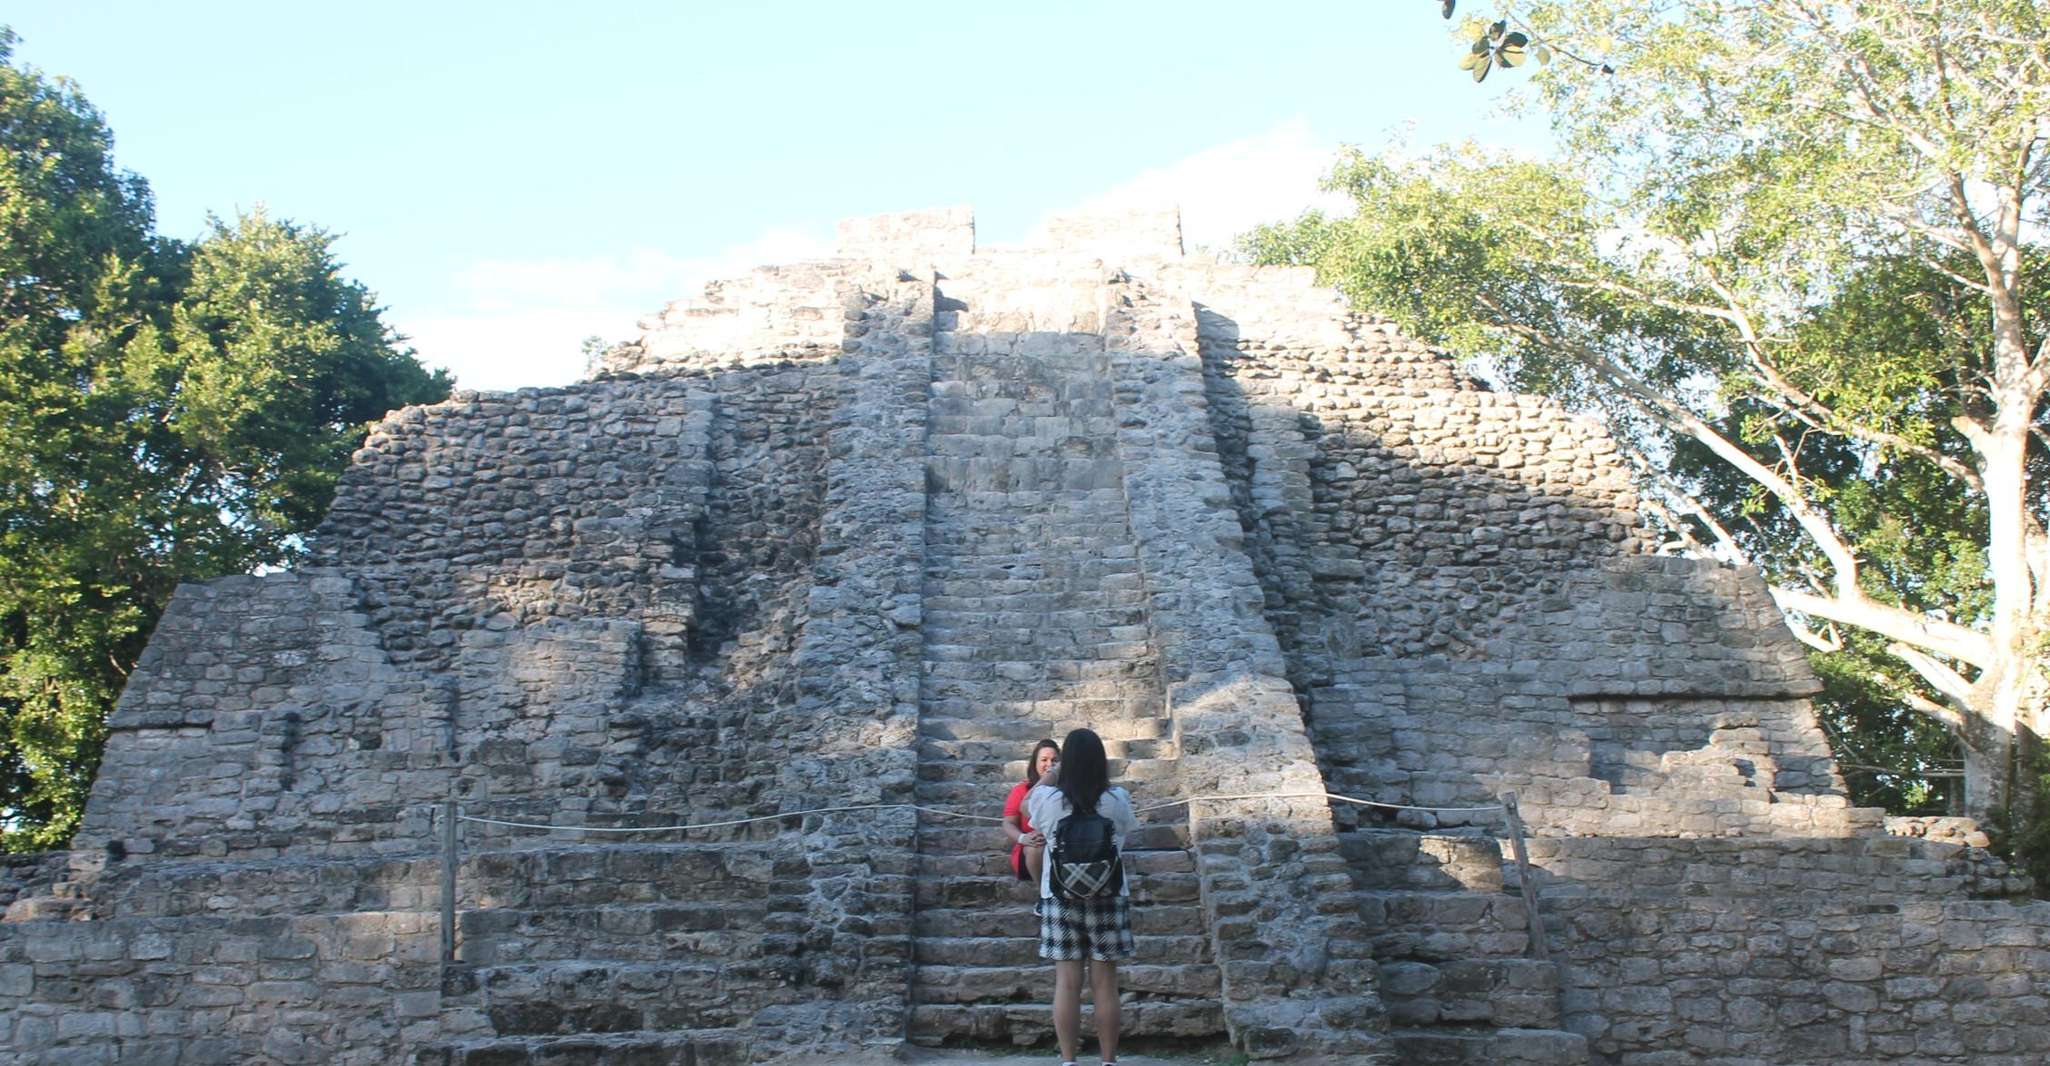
(703, 592)
(348, 989)
(1273, 882)
(632, 937)
(497, 512)
(771, 314)
(1670, 979)
(845, 909)
(266, 719)
(28, 872)
(1789, 868)
(702, 739)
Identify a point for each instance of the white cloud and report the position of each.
(520, 322)
(1228, 189)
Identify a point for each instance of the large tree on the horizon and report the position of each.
(168, 411)
(1793, 249)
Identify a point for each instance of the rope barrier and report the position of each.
(452, 813)
(728, 822)
(941, 812)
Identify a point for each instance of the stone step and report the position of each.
(996, 864)
(644, 932)
(1001, 652)
(1108, 596)
(987, 797)
(972, 891)
(1032, 564)
(975, 524)
(1029, 552)
(942, 769)
(1514, 993)
(1027, 520)
(1128, 772)
(1031, 1024)
(1028, 716)
(1020, 632)
(569, 996)
(1011, 753)
(1488, 1047)
(1046, 660)
(1011, 727)
(242, 888)
(1404, 858)
(612, 868)
(1430, 925)
(985, 575)
(1128, 682)
(705, 1048)
(935, 838)
(946, 642)
(1023, 950)
(1015, 918)
(1031, 982)
(1079, 597)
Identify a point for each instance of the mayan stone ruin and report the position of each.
(857, 532)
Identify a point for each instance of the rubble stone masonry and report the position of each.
(856, 532)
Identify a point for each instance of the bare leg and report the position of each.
(1035, 861)
(1067, 1006)
(1103, 977)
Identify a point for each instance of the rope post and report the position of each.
(449, 858)
(1524, 880)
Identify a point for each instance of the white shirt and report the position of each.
(1046, 807)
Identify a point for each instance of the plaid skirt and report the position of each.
(1071, 930)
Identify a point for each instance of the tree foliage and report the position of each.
(1792, 251)
(168, 411)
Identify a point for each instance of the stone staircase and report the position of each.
(606, 954)
(1450, 939)
(1034, 623)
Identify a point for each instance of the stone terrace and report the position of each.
(858, 531)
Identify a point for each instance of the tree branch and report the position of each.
(1849, 604)
(1818, 415)
(1947, 639)
(1680, 419)
(1943, 679)
(1810, 637)
(1892, 772)
(1944, 638)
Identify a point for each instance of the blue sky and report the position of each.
(511, 177)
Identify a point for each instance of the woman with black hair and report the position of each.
(1028, 845)
(1098, 928)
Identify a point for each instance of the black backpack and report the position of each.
(1083, 862)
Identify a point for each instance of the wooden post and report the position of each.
(449, 858)
(1538, 947)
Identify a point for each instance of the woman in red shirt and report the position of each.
(1028, 845)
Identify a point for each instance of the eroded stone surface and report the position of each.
(857, 532)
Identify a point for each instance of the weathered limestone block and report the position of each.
(854, 533)
(943, 233)
(1290, 984)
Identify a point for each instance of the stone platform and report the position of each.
(858, 532)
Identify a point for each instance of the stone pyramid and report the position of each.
(856, 533)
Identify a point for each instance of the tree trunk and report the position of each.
(1988, 757)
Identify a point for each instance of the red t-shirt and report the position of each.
(1015, 808)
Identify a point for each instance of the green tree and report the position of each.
(1788, 255)
(167, 412)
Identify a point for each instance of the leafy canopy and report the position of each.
(1793, 253)
(167, 412)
